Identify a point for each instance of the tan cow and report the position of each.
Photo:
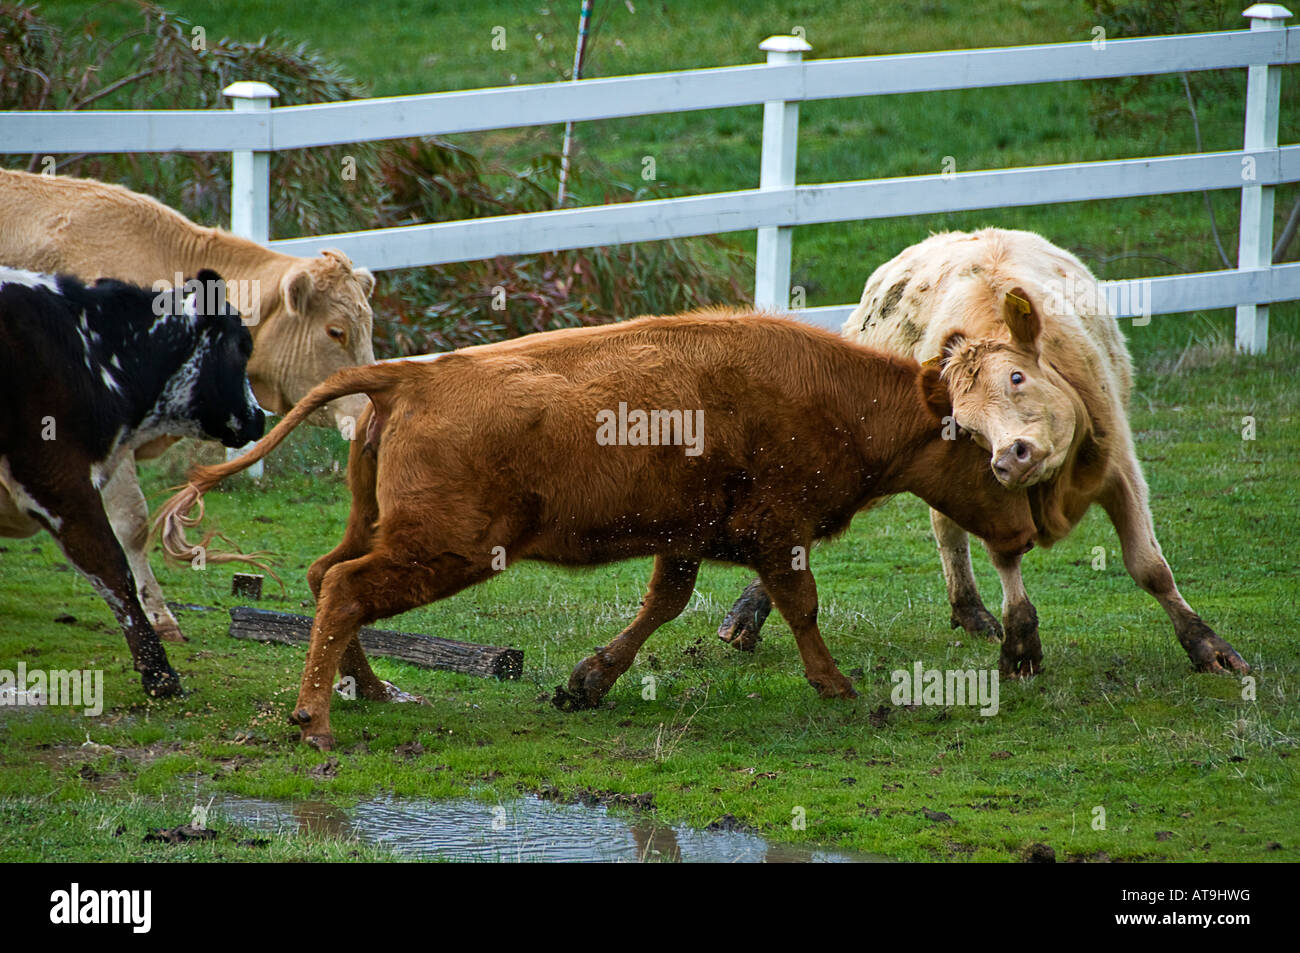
(770, 435)
(1040, 377)
(311, 316)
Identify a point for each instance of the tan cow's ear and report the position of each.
(365, 279)
(296, 288)
(934, 392)
(1022, 318)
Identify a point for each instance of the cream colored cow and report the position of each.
(311, 316)
(1040, 377)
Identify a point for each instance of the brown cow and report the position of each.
(1040, 377)
(309, 317)
(527, 449)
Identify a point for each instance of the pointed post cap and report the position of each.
(249, 89)
(1267, 11)
(784, 44)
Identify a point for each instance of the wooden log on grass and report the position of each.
(427, 651)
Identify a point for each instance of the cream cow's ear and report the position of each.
(296, 288)
(1022, 318)
(366, 280)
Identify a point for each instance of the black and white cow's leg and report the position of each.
(968, 611)
(740, 629)
(129, 514)
(1022, 653)
(74, 515)
(1125, 501)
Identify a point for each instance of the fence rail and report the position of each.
(253, 129)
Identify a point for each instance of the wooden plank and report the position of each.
(538, 104)
(1045, 63)
(426, 651)
(413, 246)
(134, 130)
(1139, 297)
(363, 120)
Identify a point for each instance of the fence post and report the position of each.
(780, 141)
(1255, 241)
(250, 191)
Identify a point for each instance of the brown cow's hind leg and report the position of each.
(794, 592)
(671, 586)
(358, 537)
(356, 593)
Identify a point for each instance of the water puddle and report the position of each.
(518, 830)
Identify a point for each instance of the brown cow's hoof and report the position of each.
(838, 686)
(1209, 653)
(165, 684)
(1022, 653)
(740, 629)
(323, 742)
(565, 701)
(976, 620)
(587, 685)
(1023, 667)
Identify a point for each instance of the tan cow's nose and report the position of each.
(1016, 464)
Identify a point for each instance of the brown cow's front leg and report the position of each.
(1022, 653)
(670, 590)
(1125, 501)
(794, 592)
(968, 610)
(742, 624)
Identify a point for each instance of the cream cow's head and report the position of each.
(1011, 400)
(317, 321)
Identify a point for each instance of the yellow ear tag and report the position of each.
(935, 361)
(1021, 304)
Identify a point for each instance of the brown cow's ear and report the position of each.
(934, 392)
(296, 288)
(1022, 318)
(365, 279)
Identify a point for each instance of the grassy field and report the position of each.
(1184, 766)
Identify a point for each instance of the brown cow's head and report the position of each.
(1013, 403)
(316, 322)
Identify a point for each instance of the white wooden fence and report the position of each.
(253, 129)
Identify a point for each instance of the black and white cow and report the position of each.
(89, 373)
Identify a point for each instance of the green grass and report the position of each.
(1117, 720)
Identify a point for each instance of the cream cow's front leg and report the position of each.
(124, 503)
(968, 609)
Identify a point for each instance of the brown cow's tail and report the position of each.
(173, 517)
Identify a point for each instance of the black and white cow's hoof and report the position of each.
(165, 684)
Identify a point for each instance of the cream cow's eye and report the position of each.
(336, 333)
(1017, 378)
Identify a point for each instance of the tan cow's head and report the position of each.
(1014, 404)
(317, 321)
